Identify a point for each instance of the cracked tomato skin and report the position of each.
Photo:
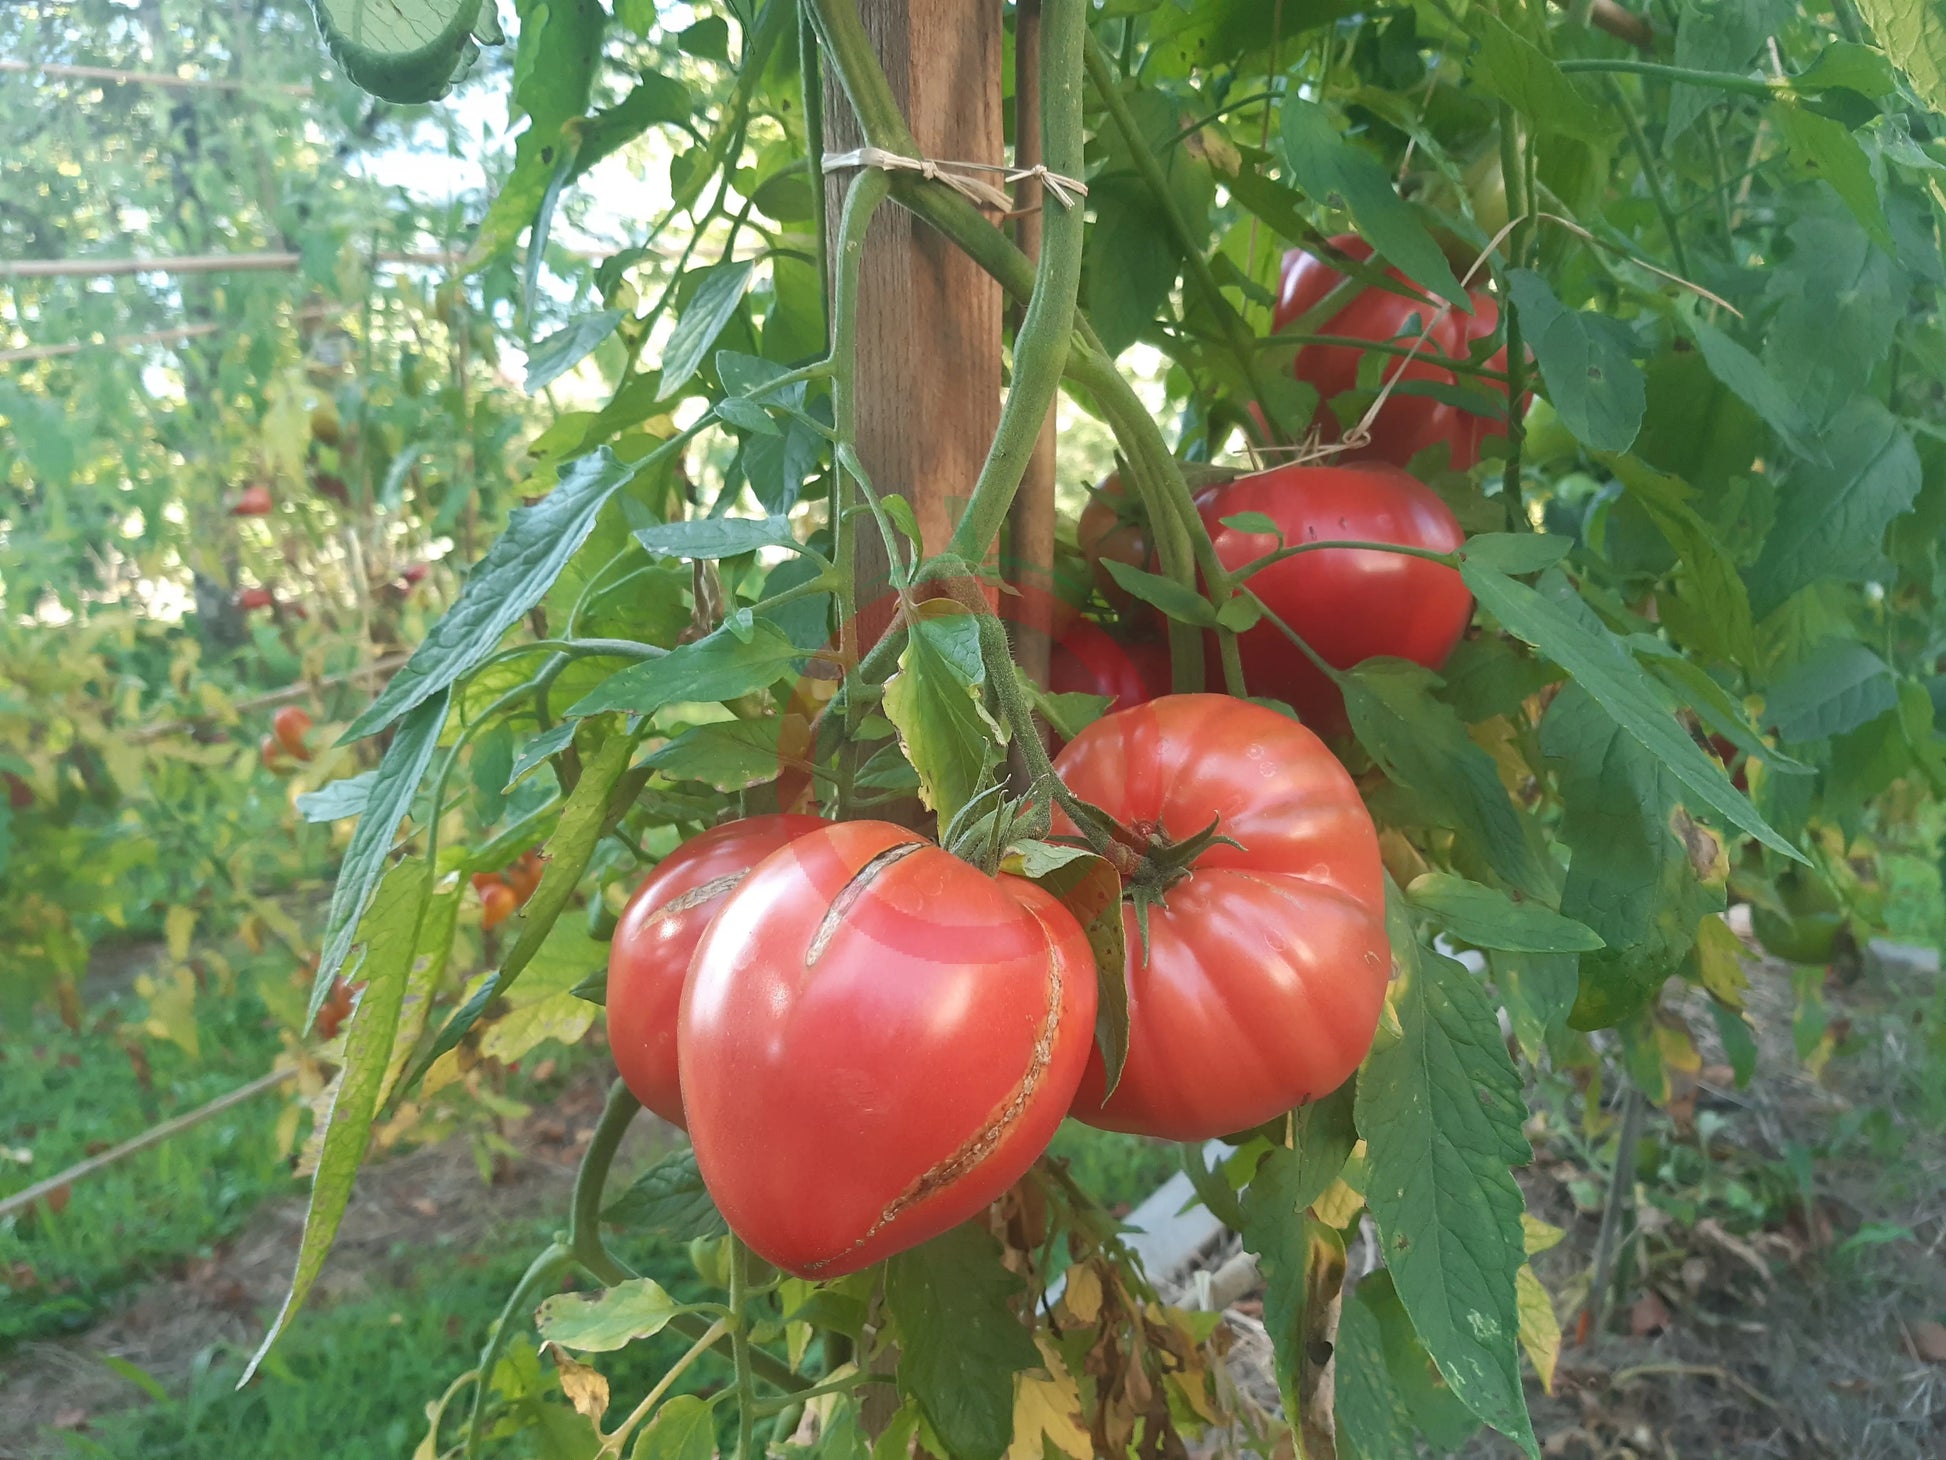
(655, 937)
(1406, 424)
(1348, 605)
(1267, 965)
(877, 1040)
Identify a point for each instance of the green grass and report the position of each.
(69, 1093)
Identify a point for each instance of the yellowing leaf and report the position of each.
(172, 1010)
(1338, 1205)
(584, 1384)
(1047, 1408)
(1540, 1330)
(1081, 1297)
(1719, 960)
(177, 926)
(1539, 1235)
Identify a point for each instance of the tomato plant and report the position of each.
(1087, 659)
(1406, 424)
(290, 725)
(1263, 956)
(1347, 604)
(872, 1020)
(649, 954)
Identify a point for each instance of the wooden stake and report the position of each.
(149, 78)
(928, 318)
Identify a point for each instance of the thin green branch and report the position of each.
(1041, 342)
(1720, 80)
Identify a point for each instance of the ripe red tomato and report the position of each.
(1088, 660)
(523, 874)
(1111, 530)
(499, 903)
(251, 599)
(290, 725)
(252, 501)
(415, 574)
(877, 1040)
(1407, 424)
(655, 937)
(1267, 966)
(273, 757)
(1347, 605)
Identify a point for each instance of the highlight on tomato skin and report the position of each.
(876, 1040)
(1347, 605)
(1406, 424)
(649, 954)
(1266, 967)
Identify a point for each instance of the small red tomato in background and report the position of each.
(1266, 966)
(877, 1039)
(273, 756)
(290, 725)
(1406, 425)
(499, 903)
(20, 795)
(657, 933)
(1088, 660)
(415, 574)
(1348, 605)
(524, 874)
(336, 1008)
(252, 501)
(1111, 530)
(252, 599)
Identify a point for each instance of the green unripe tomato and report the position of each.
(710, 1256)
(1807, 930)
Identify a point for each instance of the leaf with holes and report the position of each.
(1586, 360)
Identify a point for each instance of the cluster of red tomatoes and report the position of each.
(1346, 605)
(847, 1009)
(503, 892)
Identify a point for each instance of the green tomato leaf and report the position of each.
(935, 703)
(1390, 1382)
(1421, 744)
(1441, 1112)
(1585, 359)
(1517, 552)
(1641, 872)
(1279, 1229)
(684, 1428)
(1832, 514)
(390, 933)
(731, 756)
(1335, 171)
(1752, 383)
(544, 1006)
(1824, 148)
(601, 1322)
(403, 51)
(718, 666)
(1088, 886)
(1488, 918)
(1913, 33)
(1710, 587)
(1183, 604)
(394, 785)
(1514, 69)
(1599, 663)
(548, 743)
(584, 820)
(567, 347)
(1538, 990)
(1838, 687)
(512, 577)
(337, 799)
(960, 1344)
(668, 1200)
(709, 308)
(715, 537)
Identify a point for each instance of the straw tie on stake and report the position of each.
(975, 190)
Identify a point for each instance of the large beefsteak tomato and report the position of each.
(877, 1039)
(1406, 424)
(1348, 605)
(656, 935)
(1267, 964)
